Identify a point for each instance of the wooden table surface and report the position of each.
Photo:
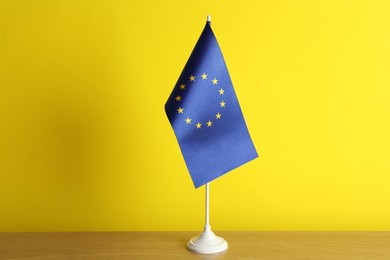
(172, 245)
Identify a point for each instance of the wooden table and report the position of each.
(172, 245)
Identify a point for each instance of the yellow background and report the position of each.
(85, 143)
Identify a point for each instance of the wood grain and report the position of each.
(172, 245)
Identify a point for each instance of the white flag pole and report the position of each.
(207, 242)
(207, 205)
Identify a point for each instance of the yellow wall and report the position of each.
(85, 143)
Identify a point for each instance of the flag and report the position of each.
(205, 115)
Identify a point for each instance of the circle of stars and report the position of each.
(188, 120)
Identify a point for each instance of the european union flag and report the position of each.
(205, 115)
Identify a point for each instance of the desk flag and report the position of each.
(205, 115)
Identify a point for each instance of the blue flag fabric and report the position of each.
(205, 115)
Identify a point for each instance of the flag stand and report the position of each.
(207, 242)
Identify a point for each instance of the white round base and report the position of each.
(207, 243)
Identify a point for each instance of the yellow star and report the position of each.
(221, 91)
(188, 120)
(215, 81)
(209, 123)
(192, 78)
(198, 125)
(218, 116)
(178, 98)
(180, 110)
(222, 104)
(204, 76)
(182, 86)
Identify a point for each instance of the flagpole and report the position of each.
(207, 205)
(207, 242)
